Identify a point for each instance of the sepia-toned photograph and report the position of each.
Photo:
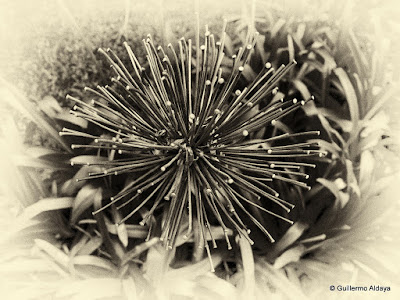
(195, 150)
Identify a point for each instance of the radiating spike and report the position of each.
(180, 136)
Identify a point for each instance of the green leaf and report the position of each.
(83, 200)
(157, 263)
(358, 56)
(302, 88)
(55, 253)
(129, 288)
(44, 205)
(260, 48)
(248, 267)
(332, 115)
(24, 265)
(334, 189)
(45, 153)
(309, 65)
(351, 178)
(92, 245)
(194, 270)
(26, 107)
(133, 231)
(380, 100)
(24, 232)
(291, 52)
(216, 288)
(139, 249)
(366, 269)
(71, 186)
(87, 159)
(90, 289)
(113, 247)
(31, 162)
(329, 61)
(290, 237)
(277, 27)
(280, 281)
(350, 94)
(291, 255)
(95, 261)
(332, 148)
(367, 165)
(121, 229)
(71, 119)
(50, 106)
(248, 73)
(76, 247)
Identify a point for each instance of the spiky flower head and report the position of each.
(186, 133)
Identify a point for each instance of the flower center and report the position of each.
(186, 152)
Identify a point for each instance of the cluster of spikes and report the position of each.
(186, 131)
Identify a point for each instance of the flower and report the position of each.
(188, 134)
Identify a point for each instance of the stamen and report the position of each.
(185, 141)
